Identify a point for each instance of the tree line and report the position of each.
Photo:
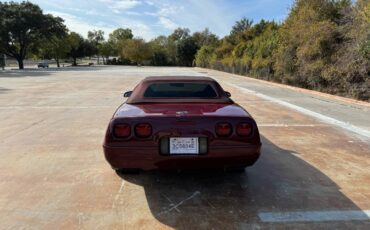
(26, 32)
(322, 45)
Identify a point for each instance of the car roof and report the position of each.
(137, 95)
(178, 78)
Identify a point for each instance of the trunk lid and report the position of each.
(180, 110)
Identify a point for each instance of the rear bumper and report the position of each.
(148, 158)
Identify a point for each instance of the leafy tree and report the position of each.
(171, 49)
(241, 26)
(308, 41)
(95, 38)
(362, 27)
(352, 61)
(118, 38)
(136, 50)
(225, 49)
(88, 48)
(56, 47)
(182, 47)
(120, 34)
(205, 38)
(106, 49)
(205, 56)
(186, 50)
(238, 30)
(159, 58)
(23, 26)
(263, 47)
(160, 51)
(76, 42)
(180, 34)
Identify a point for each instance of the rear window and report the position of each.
(180, 90)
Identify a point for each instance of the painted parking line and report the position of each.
(289, 125)
(55, 107)
(326, 119)
(314, 216)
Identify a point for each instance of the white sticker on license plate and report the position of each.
(184, 145)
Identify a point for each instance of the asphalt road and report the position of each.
(314, 171)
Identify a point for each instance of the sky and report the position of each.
(150, 18)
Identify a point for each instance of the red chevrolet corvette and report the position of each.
(180, 123)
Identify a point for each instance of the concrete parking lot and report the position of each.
(314, 171)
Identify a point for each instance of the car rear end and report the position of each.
(181, 142)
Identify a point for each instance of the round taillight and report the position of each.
(122, 130)
(223, 129)
(244, 129)
(143, 130)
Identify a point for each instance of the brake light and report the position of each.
(244, 129)
(122, 130)
(223, 129)
(143, 130)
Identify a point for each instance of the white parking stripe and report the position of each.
(314, 216)
(288, 125)
(55, 107)
(319, 116)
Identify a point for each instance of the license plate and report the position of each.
(184, 145)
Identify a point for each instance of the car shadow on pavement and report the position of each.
(279, 182)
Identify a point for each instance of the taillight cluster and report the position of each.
(143, 130)
(243, 129)
(225, 129)
(124, 130)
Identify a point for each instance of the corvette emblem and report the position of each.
(181, 113)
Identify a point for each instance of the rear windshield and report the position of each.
(180, 90)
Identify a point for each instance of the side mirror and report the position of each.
(228, 94)
(127, 94)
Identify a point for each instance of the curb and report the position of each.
(308, 91)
